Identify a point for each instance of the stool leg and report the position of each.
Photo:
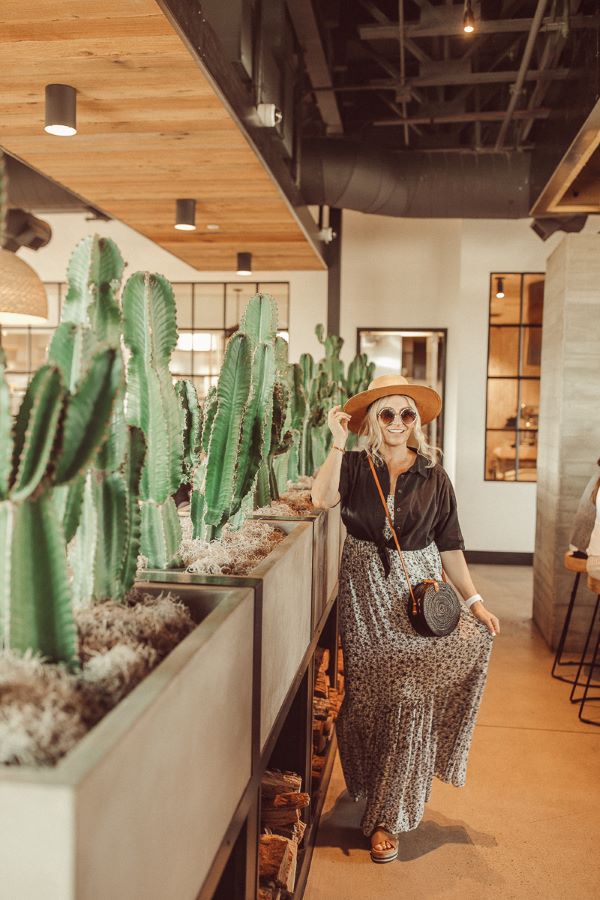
(577, 683)
(563, 637)
(587, 686)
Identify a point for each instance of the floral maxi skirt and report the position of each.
(411, 702)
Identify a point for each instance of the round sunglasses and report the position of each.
(387, 415)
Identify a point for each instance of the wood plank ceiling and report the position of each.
(150, 129)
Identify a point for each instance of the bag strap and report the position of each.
(397, 542)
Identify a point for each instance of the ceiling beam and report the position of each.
(448, 118)
(315, 61)
(550, 56)
(490, 26)
(459, 78)
(516, 88)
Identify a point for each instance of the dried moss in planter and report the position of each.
(293, 503)
(45, 710)
(236, 553)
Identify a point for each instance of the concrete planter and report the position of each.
(282, 584)
(326, 528)
(137, 810)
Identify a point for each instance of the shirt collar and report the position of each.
(419, 465)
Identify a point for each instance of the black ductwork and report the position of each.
(416, 184)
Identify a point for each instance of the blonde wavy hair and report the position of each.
(371, 434)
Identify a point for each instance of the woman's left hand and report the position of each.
(490, 621)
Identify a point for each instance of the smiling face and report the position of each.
(397, 431)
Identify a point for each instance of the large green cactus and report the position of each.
(153, 405)
(99, 508)
(55, 438)
(233, 391)
(238, 422)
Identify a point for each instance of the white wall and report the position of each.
(435, 273)
(308, 290)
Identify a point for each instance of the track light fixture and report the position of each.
(468, 18)
(244, 264)
(61, 110)
(500, 288)
(185, 215)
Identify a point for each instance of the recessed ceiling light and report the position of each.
(212, 227)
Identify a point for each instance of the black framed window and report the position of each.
(207, 314)
(516, 304)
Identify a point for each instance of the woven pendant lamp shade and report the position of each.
(23, 298)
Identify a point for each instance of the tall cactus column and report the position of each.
(99, 508)
(55, 437)
(153, 405)
(238, 423)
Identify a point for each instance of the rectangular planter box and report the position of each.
(283, 587)
(137, 810)
(325, 525)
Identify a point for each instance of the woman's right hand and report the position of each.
(338, 420)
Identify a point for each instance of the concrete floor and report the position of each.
(526, 825)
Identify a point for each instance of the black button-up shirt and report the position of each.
(424, 505)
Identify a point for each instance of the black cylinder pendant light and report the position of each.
(185, 215)
(61, 110)
(500, 288)
(244, 264)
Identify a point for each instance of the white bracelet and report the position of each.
(474, 599)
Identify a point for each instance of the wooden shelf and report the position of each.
(234, 874)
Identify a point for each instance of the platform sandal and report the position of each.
(385, 856)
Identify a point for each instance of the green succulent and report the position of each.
(153, 405)
(53, 440)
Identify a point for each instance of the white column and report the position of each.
(569, 435)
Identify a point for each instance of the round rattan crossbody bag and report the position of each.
(433, 606)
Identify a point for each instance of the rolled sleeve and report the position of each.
(448, 535)
(344, 478)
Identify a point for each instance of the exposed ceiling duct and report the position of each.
(416, 184)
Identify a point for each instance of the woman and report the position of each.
(411, 702)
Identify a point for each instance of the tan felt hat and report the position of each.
(428, 401)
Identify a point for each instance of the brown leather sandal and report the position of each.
(385, 856)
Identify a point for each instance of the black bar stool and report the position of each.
(594, 585)
(578, 566)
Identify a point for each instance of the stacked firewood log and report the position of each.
(326, 706)
(282, 830)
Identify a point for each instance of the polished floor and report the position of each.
(526, 825)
